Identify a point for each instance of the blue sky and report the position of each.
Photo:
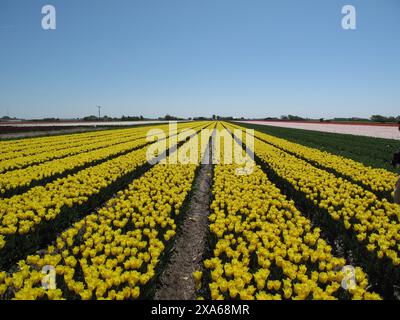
(252, 58)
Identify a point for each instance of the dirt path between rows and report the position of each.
(176, 282)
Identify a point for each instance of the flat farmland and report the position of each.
(95, 215)
(376, 131)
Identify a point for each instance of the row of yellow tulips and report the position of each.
(65, 148)
(21, 213)
(113, 253)
(21, 178)
(376, 179)
(376, 222)
(266, 249)
(30, 146)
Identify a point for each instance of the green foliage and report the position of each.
(382, 119)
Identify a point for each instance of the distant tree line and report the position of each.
(215, 117)
(7, 118)
(107, 118)
(379, 118)
(373, 118)
(293, 118)
(168, 117)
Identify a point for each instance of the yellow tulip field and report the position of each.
(89, 216)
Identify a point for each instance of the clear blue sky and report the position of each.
(251, 58)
